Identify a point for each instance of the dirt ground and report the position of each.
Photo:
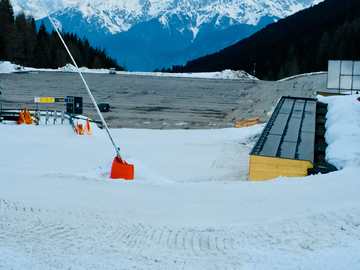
(159, 102)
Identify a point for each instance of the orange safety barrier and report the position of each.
(247, 123)
(121, 169)
(27, 116)
(79, 129)
(87, 127)
(21, 119)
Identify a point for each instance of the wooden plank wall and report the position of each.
(265, 168)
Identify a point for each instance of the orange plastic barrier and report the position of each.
(79, 129)
(247, 123)
(87, 127)
(27, 116)
(21, 119)
(121, 169)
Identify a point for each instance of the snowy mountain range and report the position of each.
(149, 34)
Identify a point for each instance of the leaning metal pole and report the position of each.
(86, 86)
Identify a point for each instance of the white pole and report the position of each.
(86, 86)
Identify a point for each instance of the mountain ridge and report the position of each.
(190, 19)
(300, 43)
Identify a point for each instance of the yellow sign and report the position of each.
(44, 99)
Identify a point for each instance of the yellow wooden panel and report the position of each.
(265, 168)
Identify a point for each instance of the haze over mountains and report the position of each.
(149, 34)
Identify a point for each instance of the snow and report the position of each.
(302, 75)
(225, 74)
(7, 67)
(343, 129)
(120, 15)
(190, 205)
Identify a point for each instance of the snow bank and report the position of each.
(72, 68)
(231, 74)
(7, 67)
(343, 130)
(226, 74)
(303, 75)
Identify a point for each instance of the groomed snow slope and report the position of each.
(189, 207)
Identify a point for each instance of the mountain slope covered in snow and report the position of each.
(300, 43)
(178, 24)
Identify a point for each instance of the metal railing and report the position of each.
(46, 117)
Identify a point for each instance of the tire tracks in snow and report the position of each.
(68, 234)
(185, 239)
(42, 233)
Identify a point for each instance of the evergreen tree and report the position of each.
(322, 52)
(302, 42)
(42, 50)
(24, 39)
(86, 52)
(97, 62)
(22, 44)
(19, 43)
(6, 29)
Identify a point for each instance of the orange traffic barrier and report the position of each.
(21, 119)
(79, 129)
(87, 127)
(121, 169)
(247, 123)
(27, 116)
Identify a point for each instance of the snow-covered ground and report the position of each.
(7, 67)
(190, 205)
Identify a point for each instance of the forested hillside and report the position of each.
(301, 43)
(21, 43)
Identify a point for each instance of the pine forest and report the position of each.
(21, 43)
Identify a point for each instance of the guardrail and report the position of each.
(45, 117)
